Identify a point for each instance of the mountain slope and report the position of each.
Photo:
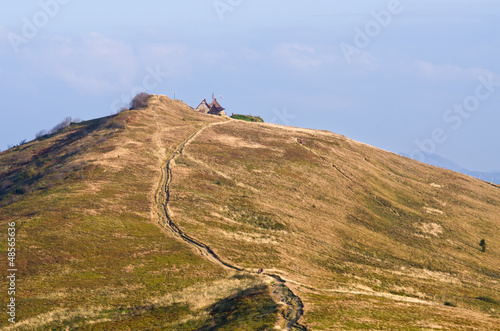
(339, 218)
(362, 237)
(90, 247)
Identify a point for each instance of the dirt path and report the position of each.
(162, 198)
(294, 308)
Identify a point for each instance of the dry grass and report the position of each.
(197, 297)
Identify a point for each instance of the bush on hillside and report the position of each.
(450, 304)
(247, 118)
(61, 126)
(41, 133)
(488, 300)
(482, 243)
(140, 101)
(116, 123)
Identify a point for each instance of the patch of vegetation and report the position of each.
(248, 118)
(43, 163)
(61, 126)
(21, 143)
(20, 191)
(140, 101)
(483, 245)
(140, 317)
(251, 309)
(488, 299)
(246, 215)
(450, 304)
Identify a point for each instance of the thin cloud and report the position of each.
(3, 33)
(311, 57)
(366, 60)
(302, 56)
(4, 40)
(447, 71)
(173, 58)
(250, 54)
(92, 64)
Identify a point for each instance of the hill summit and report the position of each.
(168, 218)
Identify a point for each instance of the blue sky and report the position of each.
(405, 76)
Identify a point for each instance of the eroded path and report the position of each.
(294, 308)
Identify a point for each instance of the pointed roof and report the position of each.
(217, 106)
(204, 104)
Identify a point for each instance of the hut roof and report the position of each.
(215, 104)
(204, 104)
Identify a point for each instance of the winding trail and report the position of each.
(294, 307)
(162, 197)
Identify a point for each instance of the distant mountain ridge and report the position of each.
(442, 162)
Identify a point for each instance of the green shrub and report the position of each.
(247, 118)
(483, 245)
(248, 216)
(20, 191)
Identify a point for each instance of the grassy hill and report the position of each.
(161, 218)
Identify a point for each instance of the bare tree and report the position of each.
(61, 126)
(41, 133)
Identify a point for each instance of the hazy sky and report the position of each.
(404, 76)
